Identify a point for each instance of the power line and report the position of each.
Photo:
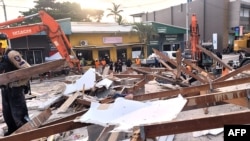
(16, 6)
(145, 4)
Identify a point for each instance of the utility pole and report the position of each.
(5, 17)
(187, 16)
(4, 10)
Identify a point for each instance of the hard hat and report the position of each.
(3, 36)
(3, 40)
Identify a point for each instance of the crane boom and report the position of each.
(48, 25)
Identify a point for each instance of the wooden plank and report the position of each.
(190, 90)
(45, 131)
(35, 122)
(28, 72)
(195, 124)
(129, 75)
(114, 136)
(105, 132)
(212, 55)
(166, 58)
(64, 119)
(166, 65)
(233, 73)
(63, 108)
(178, 60)
(160, 76)
(215, 97)
(200, 70)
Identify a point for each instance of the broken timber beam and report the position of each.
(45, 131)
(35, 122)
(160, 76)
(64, 119)
(63, 108)
(129, 75)
(233, 73)
(192, 89)
(209, 53)
(195, 124)
(12, 76)
(166, 58)
(189, 63)
(215, 97)
(165, 65)
(178, 60)
(105, 132)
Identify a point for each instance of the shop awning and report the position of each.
(91, 47)
(128, 44)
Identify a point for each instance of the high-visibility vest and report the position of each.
(189, 68)
(224, 72)
(137, 61)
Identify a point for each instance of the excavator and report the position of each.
(200, 58)
(53, 31)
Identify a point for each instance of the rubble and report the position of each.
(78, 102)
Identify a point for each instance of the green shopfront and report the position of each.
(170, 38)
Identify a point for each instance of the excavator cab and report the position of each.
(206, 61)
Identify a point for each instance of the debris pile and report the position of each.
(112, 106)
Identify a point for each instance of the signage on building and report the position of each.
(215, 40)
(171, 37)
(237, 31)
(241, 30)
(112, 40)
(162, 29)
(153, 42)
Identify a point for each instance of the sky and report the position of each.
(129, 6)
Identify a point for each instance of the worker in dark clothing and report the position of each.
(219, 55)
(128, 63)
(15, 111)
(156, 62)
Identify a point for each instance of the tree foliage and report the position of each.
(145, 31)
(62, 10)
(115, 11)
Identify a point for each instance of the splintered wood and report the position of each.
(68, 102)
(35, 122)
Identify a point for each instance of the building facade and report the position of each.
(93, 41)
(214, 17)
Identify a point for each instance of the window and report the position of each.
(32, 56)
(86, 54)
(137, 52)
(244, 12)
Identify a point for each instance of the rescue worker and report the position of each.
(103, 62)
(97, 65)
(225, 71)
(15, 111)
(138, 62)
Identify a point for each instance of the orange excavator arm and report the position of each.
(52, 29)
(194, 38)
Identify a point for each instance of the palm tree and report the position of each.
(145, 31)
(115, 12)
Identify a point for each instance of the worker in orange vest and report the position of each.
(138, 62)
(189, 68)
(225, 71)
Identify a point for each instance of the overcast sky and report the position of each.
(129, 6)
